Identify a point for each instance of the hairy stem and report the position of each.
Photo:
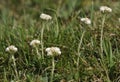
(42, 44)
(101, 48)
(15, 69)
(53, 68)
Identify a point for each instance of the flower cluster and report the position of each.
(86, 20)
(35, 43)
(53, 51)
(105, 9)
(11, 49)
(45, 16)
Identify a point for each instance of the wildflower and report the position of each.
(53, 51)
(105, 8)
(45, 16)
(35, 43)
(11, 49)
(86, 20)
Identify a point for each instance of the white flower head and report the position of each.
(45, 16)
(86, 20)
(53, 51)
(105, 9)
(35, 43)
(11, 49)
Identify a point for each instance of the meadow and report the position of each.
(87, 50)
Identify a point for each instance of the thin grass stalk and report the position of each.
(79, 47)
(53, 68)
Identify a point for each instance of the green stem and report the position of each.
(101, 38)
(38, 54)
(101, 48)
(79, 46)
(57, 27)
(53, 68)
(14, 65)
(42, 44)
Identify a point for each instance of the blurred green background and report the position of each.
(63, 8)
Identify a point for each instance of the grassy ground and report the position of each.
(90, 53)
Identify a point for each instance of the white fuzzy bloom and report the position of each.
(11, 49)
(45, 16)
(53, 51)
(105, 9)
(35, 43)
(86, 20)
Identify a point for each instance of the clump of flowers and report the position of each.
(53, 51)
(105, 9)
(86, 20)
(35, 43)
(11, 49)
(45, 16)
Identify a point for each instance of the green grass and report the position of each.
(90, 53)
